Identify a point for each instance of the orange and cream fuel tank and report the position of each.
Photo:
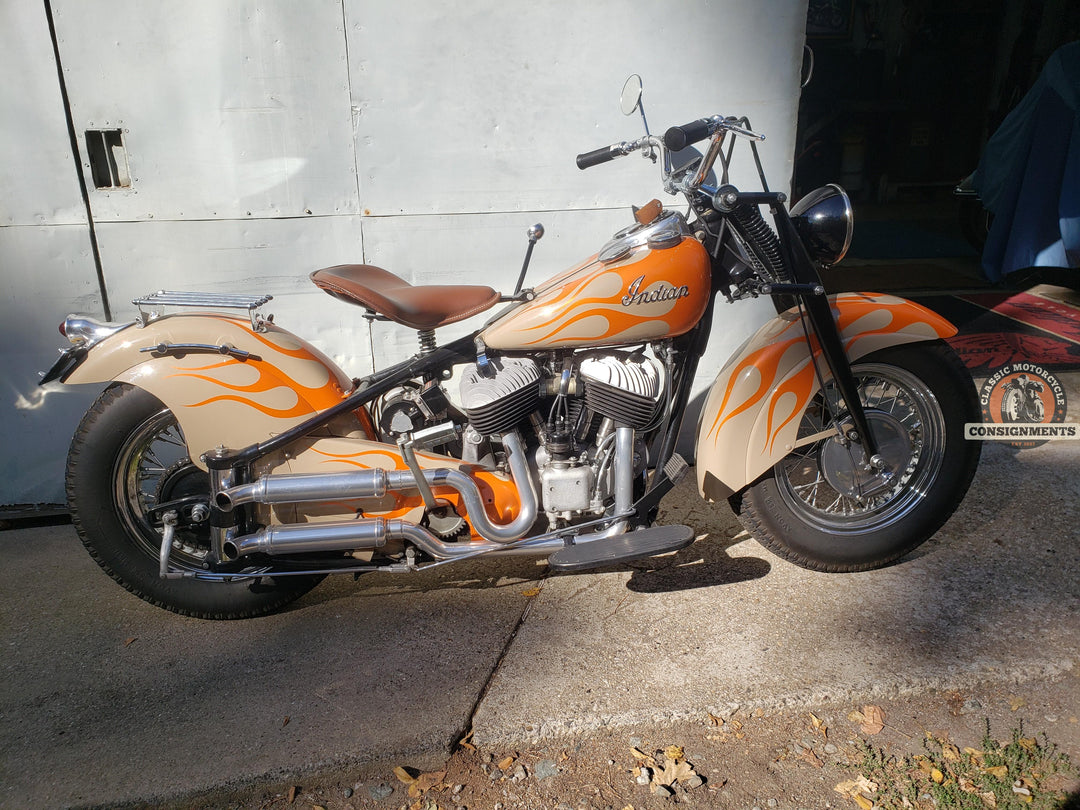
(649, 282)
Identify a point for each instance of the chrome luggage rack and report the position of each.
(172, 298)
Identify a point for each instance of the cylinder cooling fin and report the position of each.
(624, 387)
(496, 404)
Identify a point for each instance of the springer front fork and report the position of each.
(823, 326)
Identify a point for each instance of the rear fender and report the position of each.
(752, 413)
(220, 399)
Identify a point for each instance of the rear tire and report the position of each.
(127, 456)
(917, 398)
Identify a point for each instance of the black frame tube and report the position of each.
(367, 389)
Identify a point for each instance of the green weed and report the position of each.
(1025, 773)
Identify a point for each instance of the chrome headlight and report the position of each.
(824, 221)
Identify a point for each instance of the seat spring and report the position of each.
(427, 341)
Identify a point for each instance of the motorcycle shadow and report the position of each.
(493, 574)
(704, 564)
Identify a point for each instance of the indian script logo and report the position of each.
(664, 292)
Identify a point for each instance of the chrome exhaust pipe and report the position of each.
(300, 538)
(375, 483)
(290, 488)
(370, 533)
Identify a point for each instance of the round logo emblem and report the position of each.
(1020, 396)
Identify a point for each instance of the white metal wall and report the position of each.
(268, 138)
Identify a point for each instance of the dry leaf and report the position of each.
(673, 771)
(468, 746)
(425, 782)
(674, 752)
(404, 776)
(641, 756)
(937, 775)
(714, 720)
(975, 754)
(1017, 703)
(871, 719)
(531, 592)
(853, 788)
(808, 755)
(866, 785)
(506, 763)
(998, 771)
(735, 724)
(950, 752)
(845, 787)
(129, 641)
(1029, 744)
(863, 802)
(989, 799)
(290, 796)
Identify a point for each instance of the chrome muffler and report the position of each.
(368, 533)
(301, 538)
(375, 483)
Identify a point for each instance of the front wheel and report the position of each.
(821, 509)
(127, 460)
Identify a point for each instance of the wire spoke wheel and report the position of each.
(153, 469)
(128, 465)
(825, 507)
(827, 483)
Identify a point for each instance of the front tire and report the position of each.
(817, 509)
(127, 457)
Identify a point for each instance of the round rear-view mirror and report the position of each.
(631, 95)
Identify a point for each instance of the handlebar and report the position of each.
(597, 156)
(678, 138)
(674, 140)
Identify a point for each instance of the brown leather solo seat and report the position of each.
(425, 307)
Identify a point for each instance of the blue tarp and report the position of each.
(1029, 175)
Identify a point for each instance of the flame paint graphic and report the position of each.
(781, 370)
(587, 306)
(271, 380)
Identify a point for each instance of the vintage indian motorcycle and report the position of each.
(230, 465)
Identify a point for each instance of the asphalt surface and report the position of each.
(105, 699)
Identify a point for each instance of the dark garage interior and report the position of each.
(903, 97)
(901, 101)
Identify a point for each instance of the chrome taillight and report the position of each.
(83, 331)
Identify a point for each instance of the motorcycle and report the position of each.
(1021, 401)
(230, 465)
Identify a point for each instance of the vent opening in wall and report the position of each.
(108, 158)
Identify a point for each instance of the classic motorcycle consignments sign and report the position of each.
(1023, 405)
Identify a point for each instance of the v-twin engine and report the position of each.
(576, 404)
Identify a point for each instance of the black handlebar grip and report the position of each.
(596, 157)
(678, 138)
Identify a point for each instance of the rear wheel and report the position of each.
(127, 460)
(820, 508)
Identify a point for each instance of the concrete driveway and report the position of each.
(104, 699)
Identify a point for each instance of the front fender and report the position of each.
(752, 413)
(220, 399)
